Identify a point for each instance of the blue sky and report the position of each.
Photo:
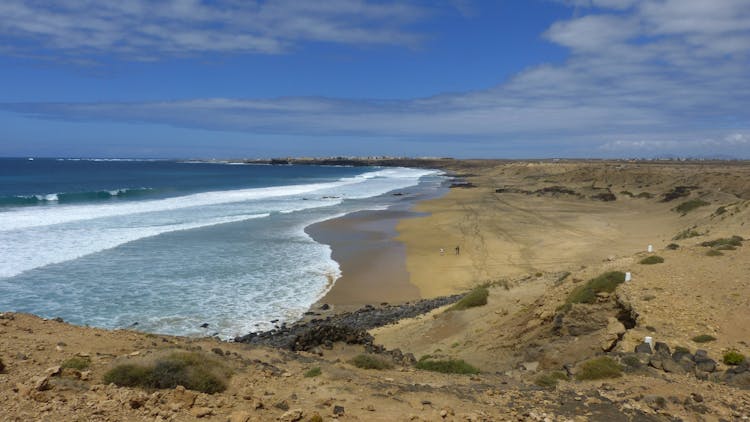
(462, 78)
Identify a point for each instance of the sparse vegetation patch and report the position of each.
(76, 362)
(476, 297)
(690, 205)
(732, 241)
(313, 372)
(450, 366)
(370, 362)
(550, 380)
(686, 234)
(192, 370)
(606, 282)
(677, 192)
(714, 252)
(599, 368)
(673, 246)
(703, 338)
(733, 357)
(651, 260)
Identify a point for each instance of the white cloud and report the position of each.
(145, 29)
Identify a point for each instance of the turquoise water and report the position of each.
(169, 246)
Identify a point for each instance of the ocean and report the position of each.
(168, 246)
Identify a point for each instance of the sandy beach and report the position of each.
(372, 261)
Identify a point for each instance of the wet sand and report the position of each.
(372, 262)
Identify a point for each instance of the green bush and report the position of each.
(690, 205)
(732, 241)
(550, 380)
(370, 362)
(733, 357)
(194, 371)
(76, 362)
(645, 195)
(726, 248)
(626, 192)
(450, 366)
(476, 297)
(721, 210)
(714, 252)
(651, 260)
(313, 372)
(686, 234)
(599, 368)
(703, 338)
(673, 246)
(606, 282)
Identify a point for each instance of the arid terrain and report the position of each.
(549, 344)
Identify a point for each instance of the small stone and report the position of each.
(41, 383)
(370, 408)
(655, 402)
(426, 402)
(338, 410)
(292, 415)
(200, 412)
(55, 370)
(698, 398)
(283, 405)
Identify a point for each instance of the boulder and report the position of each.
(644, 348)
(705, 365)
(662, 348)
(669, 365)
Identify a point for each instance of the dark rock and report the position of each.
(700, 354)
(686, 362)
(655, 402)
(218, 351)
(698, 398)
(338, 410)
(662, 348)
(58, 319)
(668, 365)
(705, 365)
(656, 361)
(283, 405)
(739, 380)
(643, 348)
(426, 402)
(204, 325)
(738, 369)
(348, 327)
(679, 355)
(325, 306)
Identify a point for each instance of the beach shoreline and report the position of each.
(371, 259)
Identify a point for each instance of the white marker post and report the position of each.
(649, 340)
(628, 277)
(650, 248)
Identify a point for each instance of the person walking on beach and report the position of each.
(442, 251)
(458, 250)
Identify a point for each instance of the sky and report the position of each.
(448, 78)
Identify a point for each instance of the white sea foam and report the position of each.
(25, 250)
(32, 237)
(350, 187)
